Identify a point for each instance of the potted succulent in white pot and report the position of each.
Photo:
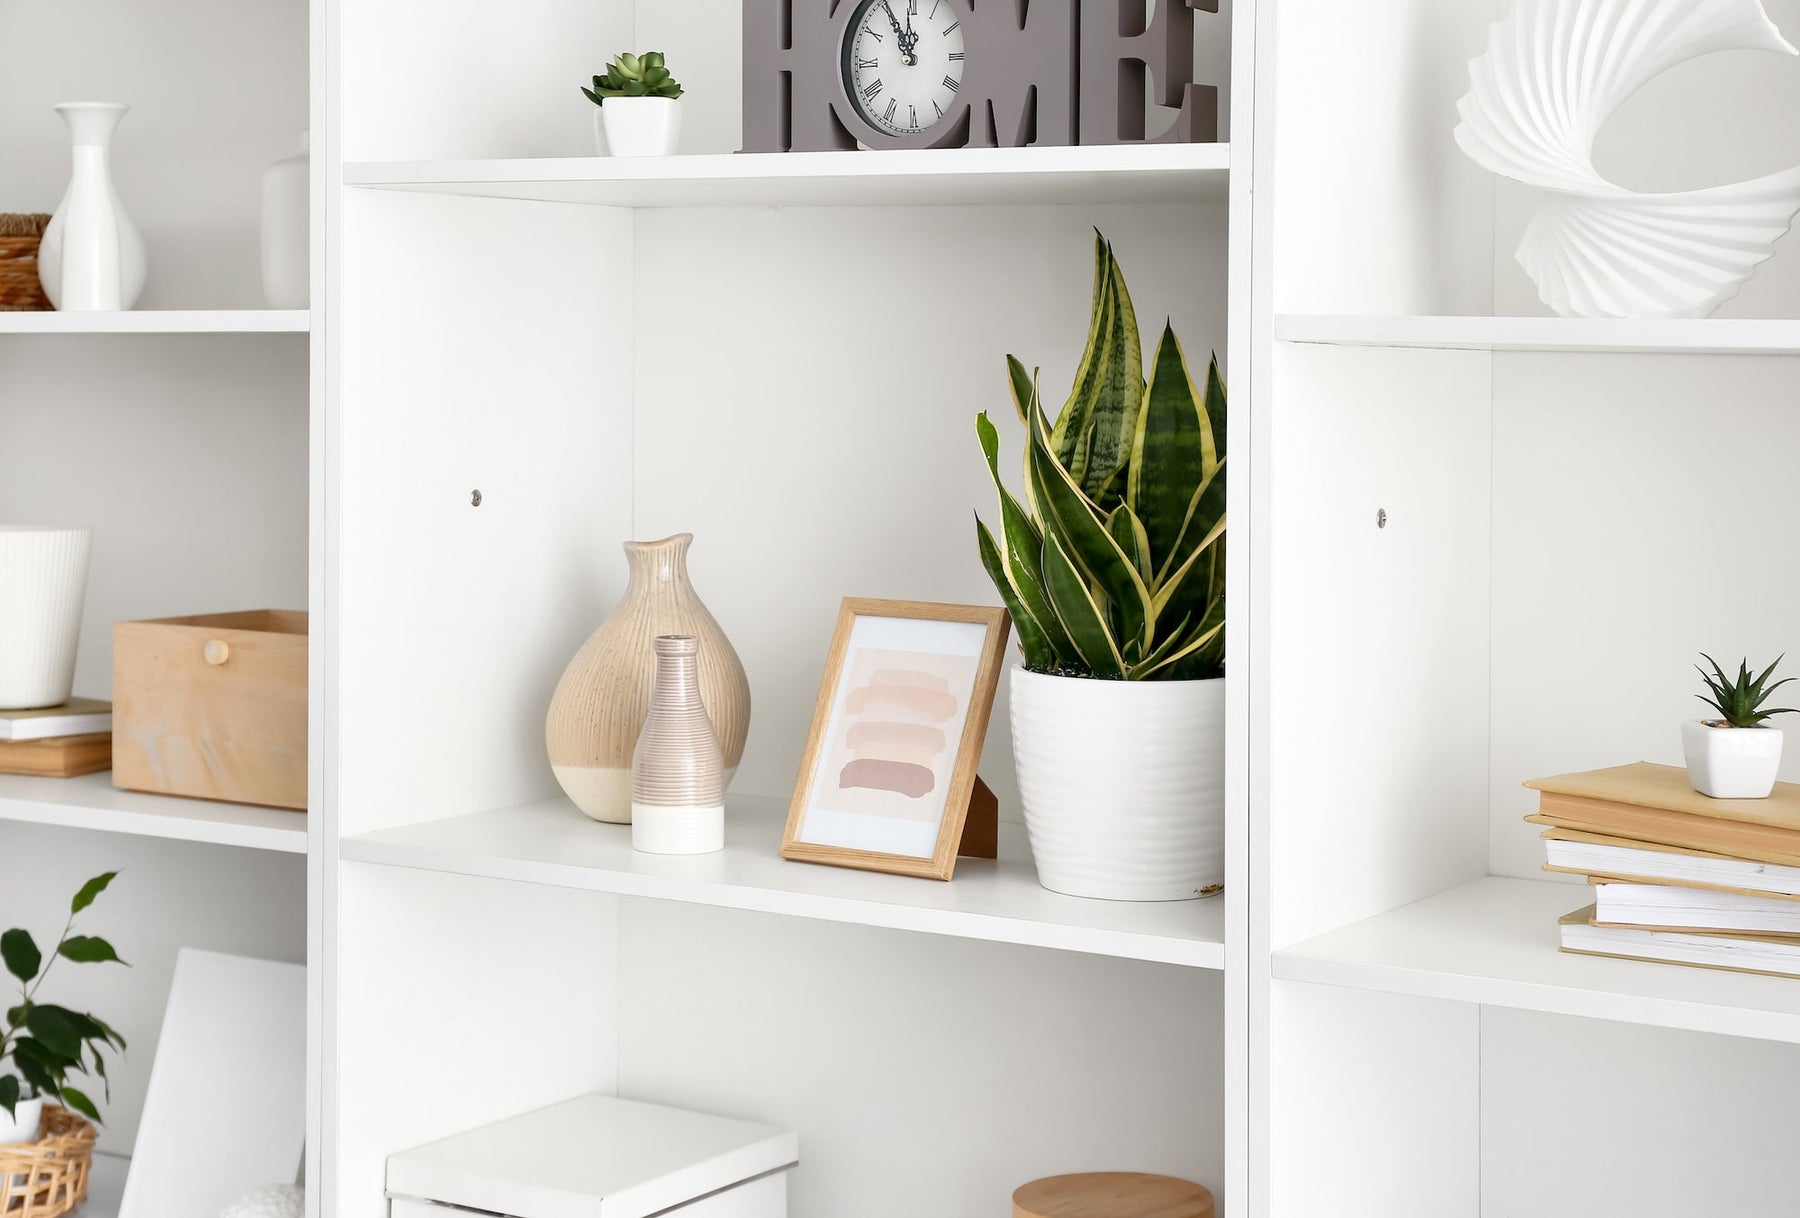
(639, 107)
(1736, 755)
(42, 1045)
(1113, 567)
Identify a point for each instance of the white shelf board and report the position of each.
(1495, 942)
(553, 843)
(92, 802)
(1708, 336)
(161, 321)
(1144, 173)
(106, 1186)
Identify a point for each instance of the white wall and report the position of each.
(1582, 1119)
(820, 441)
(924, 1075)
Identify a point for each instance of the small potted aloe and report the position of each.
(1736, 755)
(639, 106)
(43, 1045)
(1113, 567)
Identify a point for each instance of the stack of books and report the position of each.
(58, 741)
(1677, 877)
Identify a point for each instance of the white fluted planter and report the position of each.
(43, 581)
(1123, 784)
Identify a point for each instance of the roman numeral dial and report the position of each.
(903, 63)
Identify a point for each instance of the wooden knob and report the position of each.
(1112, 1194)
(216, 651)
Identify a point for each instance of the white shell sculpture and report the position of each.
(1554, 71)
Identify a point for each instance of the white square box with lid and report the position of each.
(600, 1157)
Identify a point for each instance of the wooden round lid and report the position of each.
(1112, 1194)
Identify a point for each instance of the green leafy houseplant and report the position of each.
(631, 75)
(42, 1045)
(1113, 562)
(1740, 701)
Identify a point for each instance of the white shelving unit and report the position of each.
(1166, 173)
(161, 321)
(999, 901)
(1576, 335)
(92, 802)
(783, 354)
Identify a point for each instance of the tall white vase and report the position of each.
(92, 255)
(43, 581)
(286, 221)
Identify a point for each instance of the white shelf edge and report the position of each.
(93, 803)
(161, 321)
(1624, 991)
(1575, 335)
(409, 848)
(903, 176)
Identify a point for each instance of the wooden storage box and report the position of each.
(212, 707)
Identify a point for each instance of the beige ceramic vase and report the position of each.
(604, 696)
(677, 772)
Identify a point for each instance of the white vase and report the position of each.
(43, 581)
(92, 257)
(23, 1125)
(1123, 784)
(638, 126)
(286, 230)
(1731, 762)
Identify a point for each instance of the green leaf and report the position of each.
(1023, 554)
(635, 88)
(15, 1016)
(80, 1103)
(90, 890)
(632, 65)
(1128, 531)
(1024, 388)
(100, 1070)
(52, 1026)
(88, 949)
(1093, 433)
(9, 1093)
(1171, 453)
(1033, 639)
(1175, 591)
(1081, 617)
(21, 954)
(653, 59)
(112, 1037)
(1216, 407)
(591, 95)
(1068, 512)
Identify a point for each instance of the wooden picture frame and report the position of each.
(895, 794)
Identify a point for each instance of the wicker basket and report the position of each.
(20, 291)
(48, 1177)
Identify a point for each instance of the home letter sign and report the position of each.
(838, 74)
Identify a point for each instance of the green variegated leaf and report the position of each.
(1080, 615)
(1171, 452)
(1215, 409)
(1128, 531)
(1204, 511)
(1072, 423)
(1170, 643)
(1175, 592)
(1034, 640)
(1024, 548)
(1066, 511)
(1024, 388)
(1113, 419)
(1194, 659)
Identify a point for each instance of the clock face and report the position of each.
(903, 63)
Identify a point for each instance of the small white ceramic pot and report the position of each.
(1123, 784)
(1731, 762)
(638, 126)
(43, 581)
(22, 1125)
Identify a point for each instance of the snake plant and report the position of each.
(1113, 563)
(631, 75)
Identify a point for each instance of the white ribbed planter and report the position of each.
(1123, 784)
(43, 579)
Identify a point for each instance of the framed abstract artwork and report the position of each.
(889, 770)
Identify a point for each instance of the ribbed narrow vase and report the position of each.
(677, 771)
(604, 696)
(43, 582)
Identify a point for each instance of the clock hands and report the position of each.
(908, 37)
